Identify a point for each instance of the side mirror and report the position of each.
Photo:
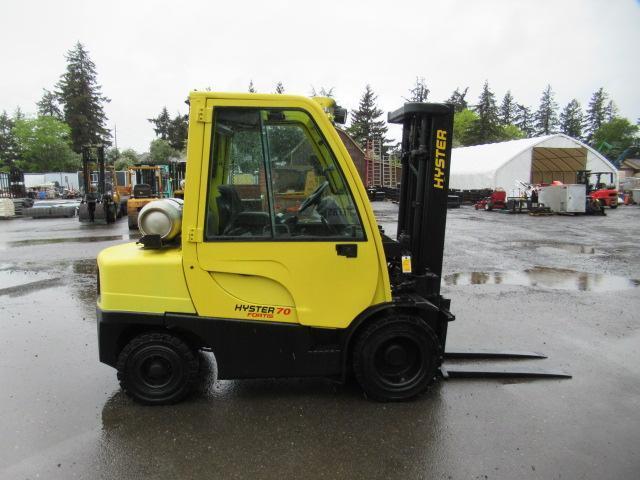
(340, 115)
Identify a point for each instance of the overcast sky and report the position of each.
(152, 53)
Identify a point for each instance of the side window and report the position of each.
(273, 176)
(310, 195)
(238, 203)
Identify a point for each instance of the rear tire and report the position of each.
(396, 359)
(157, 369)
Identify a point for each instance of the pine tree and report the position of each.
(610, 111)
(572, 120)
(323, 92)
(507, 109)
(458, 100)
(8, 145)
(547, 116)
(252, 89)
(487, 128)
(365, 122)
(419, 92)
(161, 124)
(178, 131)
(82, 100)
(524, 120)
(596, 112)
(48, 105)
(279, 88)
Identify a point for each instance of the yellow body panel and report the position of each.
(302, 282)
(136, 280)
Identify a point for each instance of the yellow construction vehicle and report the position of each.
(100, 200)
(309, 286)
(147, 187)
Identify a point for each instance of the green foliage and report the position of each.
(458, 99)
(173, 130)
(524, 120)
(161, 124)
(280, 88)
(546, 117)
(365, 121)
(511, 132)
(596, 113)
(507, 112)
(82, 100)
(487, 127)
(419, 93)
(49, 106)
(572, 120)
(44, 144)
(619, 133)
(462, 123)
(126, 159)
(160, 152)
(8, 146)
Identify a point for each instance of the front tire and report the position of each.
(157, 369)
(396, 359)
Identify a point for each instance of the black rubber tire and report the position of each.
(175, 364)
(384, 378)
(613, 205)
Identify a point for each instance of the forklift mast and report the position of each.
(427, 130)
(93, 155)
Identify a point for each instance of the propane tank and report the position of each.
(161, 217)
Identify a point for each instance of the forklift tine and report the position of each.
(484, 372)
(488, 354)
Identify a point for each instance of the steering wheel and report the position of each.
(314, 197)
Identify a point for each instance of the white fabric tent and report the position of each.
(531, 160)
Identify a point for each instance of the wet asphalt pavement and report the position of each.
(564, 286)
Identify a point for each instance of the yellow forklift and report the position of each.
(275, 291)
(146, 187)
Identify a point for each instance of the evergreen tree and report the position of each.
(596, 112)
(572, 120)
(524, 120)
(487, 128)
(323, 92)
(279, 88)
(507, 110)
(458, 100)
(82, 100)
(162, 124)
(611, 111)
(252, 89)
(547, 116)
(419, 92)
(48, 105)
(365, 122)
(178, 131)
(8, 145)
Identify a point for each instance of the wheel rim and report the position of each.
(399, 362)
(156, 370)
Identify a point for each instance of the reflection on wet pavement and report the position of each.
(46, 241)
(567, 247)
(545, 277)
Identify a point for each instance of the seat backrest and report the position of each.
(142, 190)
(229, 206)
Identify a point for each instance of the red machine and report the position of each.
(496, 200)
(607, 196)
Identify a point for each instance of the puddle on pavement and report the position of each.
(47, 241)
(567, 247)
(554, 278)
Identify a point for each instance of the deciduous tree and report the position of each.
(44, 145)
